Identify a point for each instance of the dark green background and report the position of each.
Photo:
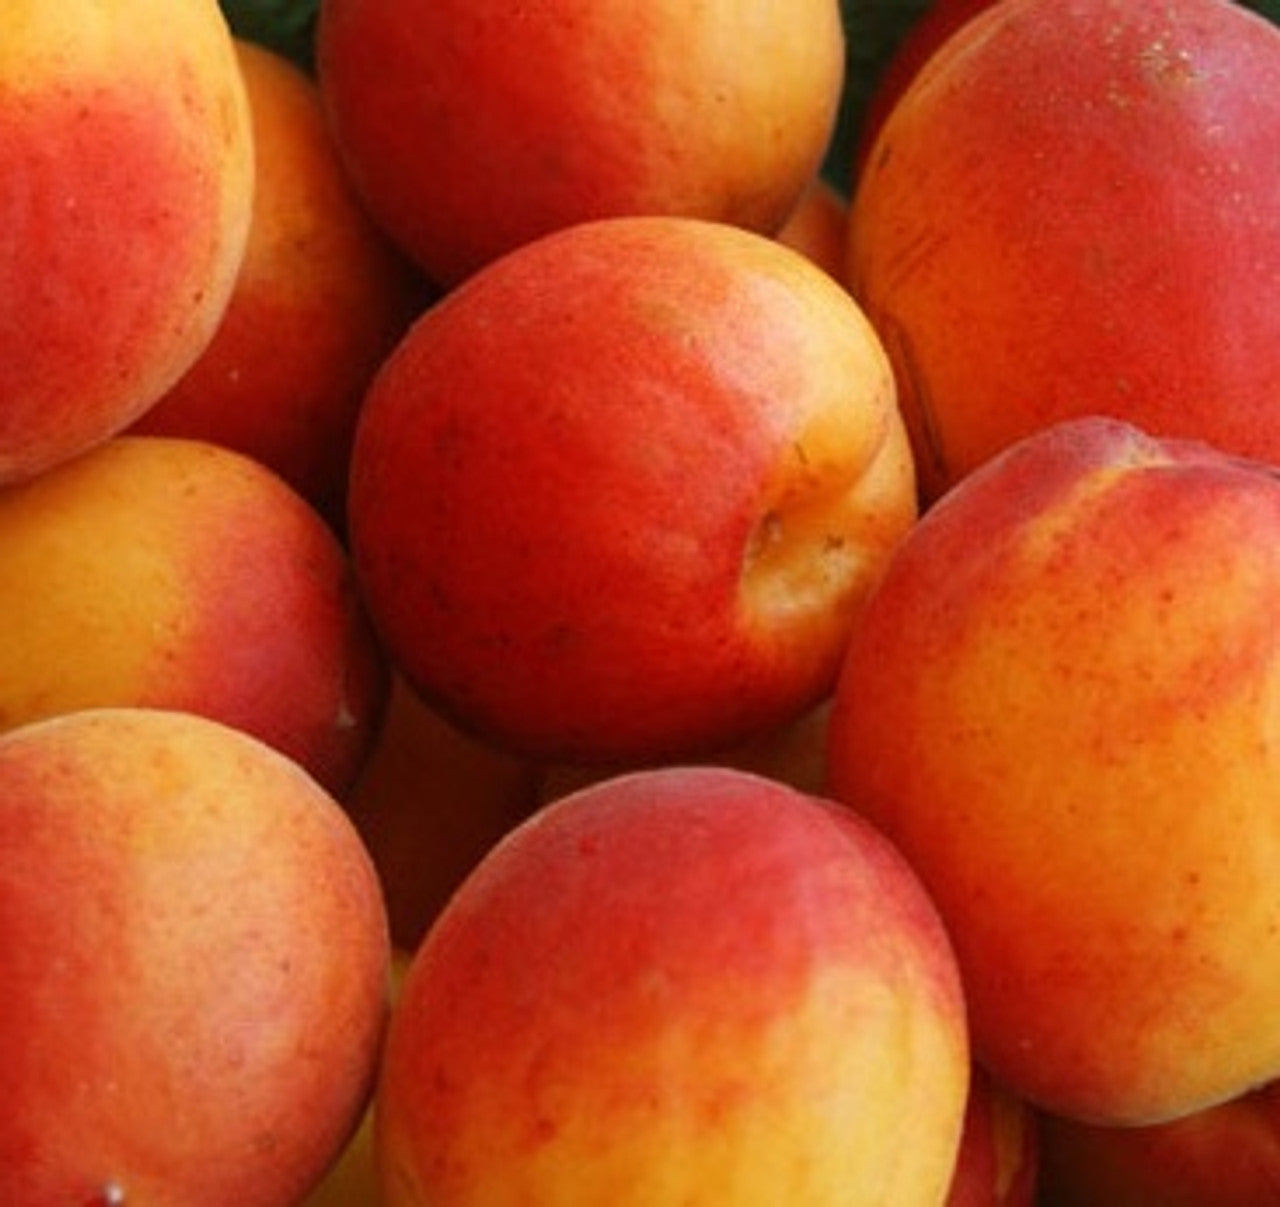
(874, 28)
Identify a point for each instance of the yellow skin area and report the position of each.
(178, 574)
(1059, 703)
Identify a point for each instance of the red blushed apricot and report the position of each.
(1060, 703)
(1073, 209)
(471, 130)
(618, 495)
(174, 573)
(125, 202)
(691, 985)
(194, 962)
(320, 299)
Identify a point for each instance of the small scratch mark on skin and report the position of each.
(917, 405)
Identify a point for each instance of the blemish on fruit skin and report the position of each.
(767, 534)
(112, 1194)
(1165, 64)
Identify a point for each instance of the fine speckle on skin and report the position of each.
(1164, 62)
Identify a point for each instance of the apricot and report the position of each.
(690, 985)
(1073, 210)
(179, 574)
(194, 964)
(1060, 704)
(618, 495)
(470, 129)
(125, 202)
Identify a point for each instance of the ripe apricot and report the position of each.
(1074, 209)
(471, 129)
(619, 494)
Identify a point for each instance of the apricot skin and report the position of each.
(128, 184)
(1071, 210)
(1060, 704)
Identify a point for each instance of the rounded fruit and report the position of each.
(1073, 210)
(1060, 704)
(178, 574)
(679, 986)
(194, 966)
(471, 129)
(617, 496)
